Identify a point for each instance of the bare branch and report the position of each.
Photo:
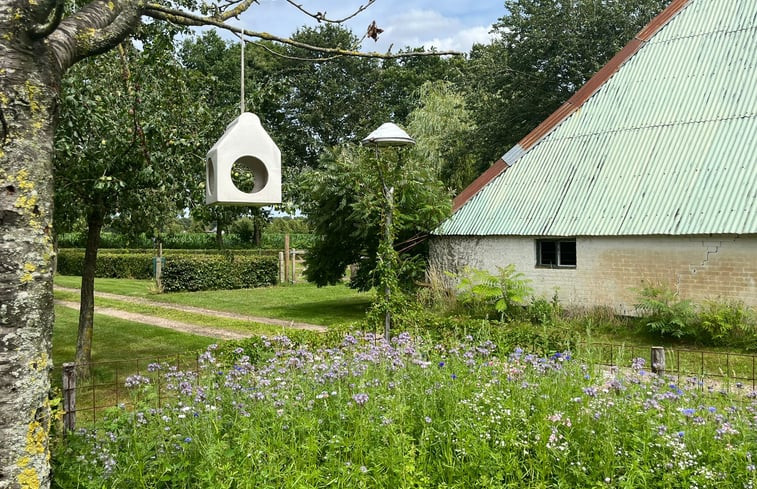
(53, 17)
(321, 16)
(188, 19)
(294, 58)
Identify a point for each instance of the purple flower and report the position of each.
(136, 380)
(427, 419)
(360, 398)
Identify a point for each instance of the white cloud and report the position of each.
(430, 28)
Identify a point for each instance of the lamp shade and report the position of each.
(389, 134)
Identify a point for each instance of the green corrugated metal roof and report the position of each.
(667, 146)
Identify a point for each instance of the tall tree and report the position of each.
(345, 205)
(543, 52)
(122, 152)
(38, 44)
(443, 128)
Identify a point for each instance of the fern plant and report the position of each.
(664, 312)
(504, 292)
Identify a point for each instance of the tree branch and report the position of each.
(321, 16)
(40, 31)
(188, 19)
(98, 27)
(244, 5)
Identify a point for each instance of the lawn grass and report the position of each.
(119, 348)
(117, 340)
(228, 324)
(337, 304)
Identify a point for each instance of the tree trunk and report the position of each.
(87, 299)
(257, 231)
(29, 82)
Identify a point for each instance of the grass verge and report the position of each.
(308, 303)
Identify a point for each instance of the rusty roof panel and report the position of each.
(658, 22)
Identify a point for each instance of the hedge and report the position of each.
(109, 265)
(209, 272)
(187, 241)
(188, 272)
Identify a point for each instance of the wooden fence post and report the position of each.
(658, 360)
(69, 396)
(286, 257)
(294, 266)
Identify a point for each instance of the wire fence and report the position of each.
(90, 390)
(723, 370)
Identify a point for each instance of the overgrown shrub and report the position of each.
(109, 265)
(664, 312)
(728, 323)
(486, 294)
(204, 272)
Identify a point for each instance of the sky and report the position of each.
(444, 24)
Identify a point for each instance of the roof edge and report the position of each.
(574, 103)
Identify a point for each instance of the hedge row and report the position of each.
(172, 252)
(180, 272)
(218, 272)
(109, 265)
(187, 241)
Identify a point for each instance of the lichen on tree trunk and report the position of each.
(28, 92)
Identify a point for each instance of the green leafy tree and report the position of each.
(123, 147)
(444, 128)
(344, 210)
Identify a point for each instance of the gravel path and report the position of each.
(179, 325)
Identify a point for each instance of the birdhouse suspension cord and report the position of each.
(241, 102)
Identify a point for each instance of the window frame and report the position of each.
(558, 253)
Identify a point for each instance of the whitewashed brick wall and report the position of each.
(719, 267)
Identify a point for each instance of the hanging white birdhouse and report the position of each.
(244, 166)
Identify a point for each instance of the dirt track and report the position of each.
(179, 325)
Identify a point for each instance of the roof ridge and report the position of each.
(572, 104)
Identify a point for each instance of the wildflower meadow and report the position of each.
(413, 413)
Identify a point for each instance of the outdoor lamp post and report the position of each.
(387, 134)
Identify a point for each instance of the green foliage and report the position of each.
(290, 225)
(459, 413)
(481, 291)
(443, 129)
(727, 324)
(542, 311)
(109, 265)
(187, 241)
(346, 206)
(664, 312)
(191, 273)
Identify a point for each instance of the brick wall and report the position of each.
(720, 267)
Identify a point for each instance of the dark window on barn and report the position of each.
(556, 253)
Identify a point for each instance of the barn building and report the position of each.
(648, 174)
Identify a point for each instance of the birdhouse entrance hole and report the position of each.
(249, 174)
